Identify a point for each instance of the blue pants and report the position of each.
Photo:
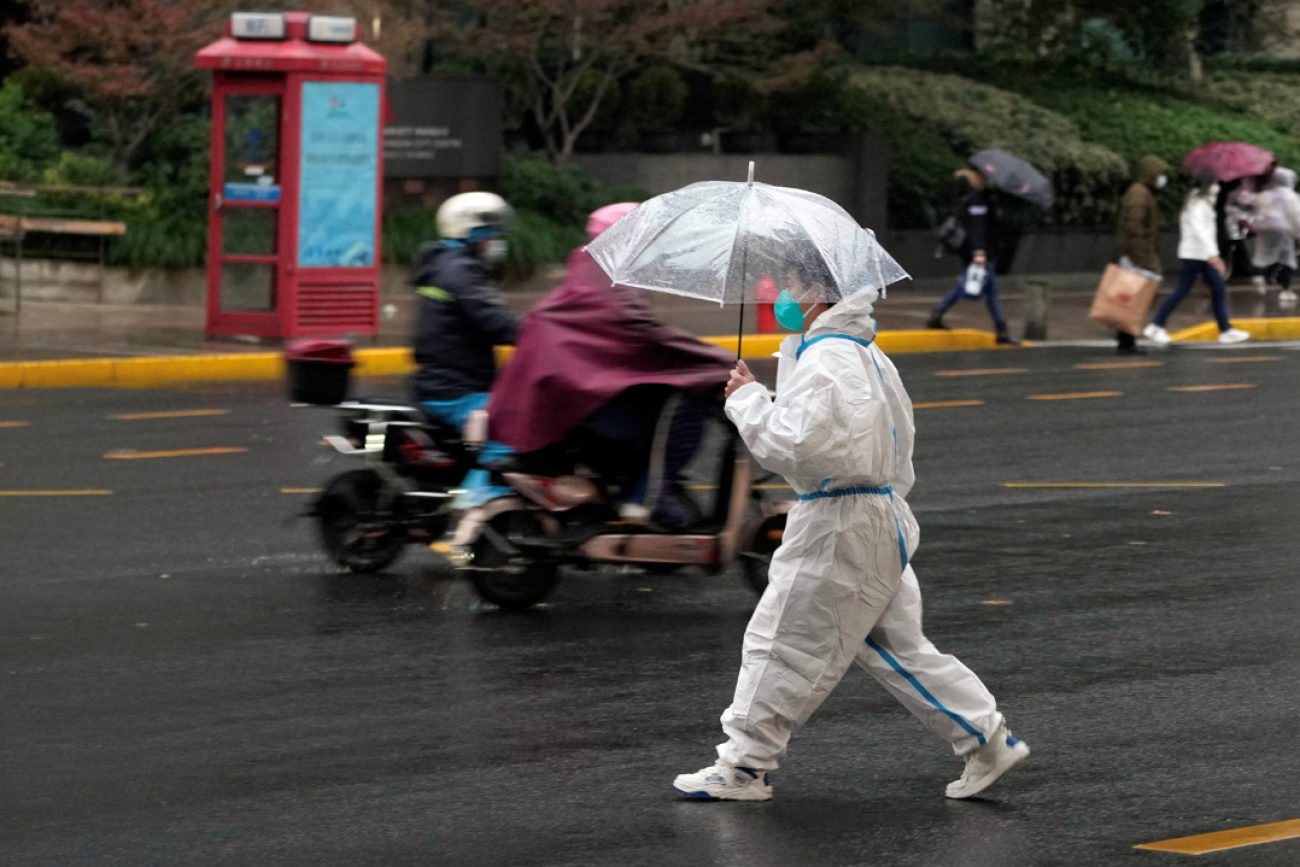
(1188, 271)
(476, 484)
(989, 292)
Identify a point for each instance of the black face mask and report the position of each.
(963, 187)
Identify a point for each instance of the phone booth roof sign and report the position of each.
(248, 46)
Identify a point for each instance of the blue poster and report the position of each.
(339, 175)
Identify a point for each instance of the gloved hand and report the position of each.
(739, 377)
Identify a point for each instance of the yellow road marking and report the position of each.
(1079, 395)
(14, 423)
(1202, 843)
(1244, 358)
(177, 453)
(936, 404)
(441, 548)
(180, 413)
(1118, 365)
(995, 602)
(52, 493)
(985, 371)
(300, 490)
(1112, 484)
(1209, 387)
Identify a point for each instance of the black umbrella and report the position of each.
(1015, 176)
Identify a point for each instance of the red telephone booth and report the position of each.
(297, 177)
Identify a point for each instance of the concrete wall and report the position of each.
(1047, 252)
(856, 180)
(79, 282)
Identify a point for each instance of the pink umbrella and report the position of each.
(1229, 160)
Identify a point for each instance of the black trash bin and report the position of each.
(318, 371)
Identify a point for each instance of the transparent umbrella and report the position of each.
(717, 240)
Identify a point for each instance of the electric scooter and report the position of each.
(564, 512)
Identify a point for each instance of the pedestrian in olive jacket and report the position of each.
(1139, 227)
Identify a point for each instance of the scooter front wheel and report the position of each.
(515, 591)
(351, 529)
(516, 585)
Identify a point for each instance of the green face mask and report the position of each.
(788, 312)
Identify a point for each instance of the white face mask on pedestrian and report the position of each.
(1161, 181)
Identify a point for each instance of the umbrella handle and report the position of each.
(740, 329)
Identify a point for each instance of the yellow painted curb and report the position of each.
(140, 372)
(393, 361)
(389, 361)
(1281, 328)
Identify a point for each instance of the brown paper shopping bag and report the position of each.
(1123, 299)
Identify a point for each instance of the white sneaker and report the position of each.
(1286, 296)
(1233, 335)
(1157, 335)
(984, 765)
(724, 782)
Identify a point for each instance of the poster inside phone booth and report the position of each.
(339, 182)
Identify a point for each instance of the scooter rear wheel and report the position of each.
(353, 533)
(512, 586)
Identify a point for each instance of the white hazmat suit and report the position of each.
(841, 432)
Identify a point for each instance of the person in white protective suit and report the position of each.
(841, 432)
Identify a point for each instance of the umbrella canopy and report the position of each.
(1229, 160)
(717, 240)
(1015, 176)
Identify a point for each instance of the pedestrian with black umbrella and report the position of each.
(974, 229)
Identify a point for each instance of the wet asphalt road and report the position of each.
(186, 680)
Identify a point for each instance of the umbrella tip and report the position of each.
(751, 172)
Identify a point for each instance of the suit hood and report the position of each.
(852, 316)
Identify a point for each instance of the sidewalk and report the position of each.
(51, 331)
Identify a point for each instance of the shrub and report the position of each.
(1269, 96)
(969, 116)
(170, 228)
(537, 240)
(563, 194)
(78, 170)
(156, 239)
(405, 231)
(29, 139)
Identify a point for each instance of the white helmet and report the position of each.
(474, 217)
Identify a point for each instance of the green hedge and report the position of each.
(1134, 124)
(968, 116)
(1271, 97)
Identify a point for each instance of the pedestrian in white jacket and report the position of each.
(1277, 225)
(840, 586)
(1198, 256)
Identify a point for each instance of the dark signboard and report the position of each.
(443, 128)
